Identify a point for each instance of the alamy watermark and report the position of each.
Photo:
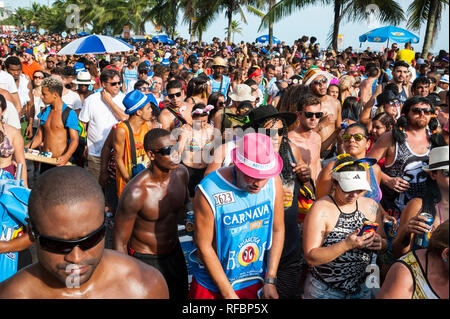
(73, 19)
(372, 16)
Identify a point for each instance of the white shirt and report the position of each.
(38, 106)
(7, 82)
(23, 90)
(100, 118)
(11, 116)
(72, 100)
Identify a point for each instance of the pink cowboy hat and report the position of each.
(255, 157)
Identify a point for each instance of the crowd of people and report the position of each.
(302, 169)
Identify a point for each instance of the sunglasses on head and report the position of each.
(318, 82)
(171, 96)
(114, 83)
(309, 115)
(63, 247)
(358, 137)
(164, 151)
(418, 110)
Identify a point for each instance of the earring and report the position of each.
(445, 260)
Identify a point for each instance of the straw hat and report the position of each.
(218, 61)
(242, 93)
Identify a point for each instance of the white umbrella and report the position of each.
(93, 44)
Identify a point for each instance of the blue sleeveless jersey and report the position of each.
(243, 228)
(215, 87)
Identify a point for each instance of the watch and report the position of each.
(272, 281)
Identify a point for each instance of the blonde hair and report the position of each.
(346, 82)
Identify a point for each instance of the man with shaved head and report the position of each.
(67, 223)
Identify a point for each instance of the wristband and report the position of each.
(272, 281)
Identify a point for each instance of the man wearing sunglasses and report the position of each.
(67, 224)
(148, 211)
(406, 149)
(177, 113)
(330, 122)
(304, 136)
(101, 111)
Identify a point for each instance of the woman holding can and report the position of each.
(334, 247)
(413, 227)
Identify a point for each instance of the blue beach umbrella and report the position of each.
(163, 39)
(392, 33)
(95, 44)
(82, 34)
(265, 38)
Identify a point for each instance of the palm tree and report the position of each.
(352, 10)
(255, 10)
(235, 28)
(209, 9)
(430, 11)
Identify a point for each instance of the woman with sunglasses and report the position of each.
(355, 143)
(434, 201)
(38, 77)
(335, 247)
(195, 144)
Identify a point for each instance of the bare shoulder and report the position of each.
(139, 279)
(22, 285)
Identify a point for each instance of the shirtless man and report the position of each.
(67, 223)
(146, 218)
(51, 130)
(368, 86)
(304, 136)
(330, 124)
(176, 113)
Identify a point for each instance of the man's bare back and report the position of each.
(142, 281)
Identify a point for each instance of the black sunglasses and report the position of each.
(164, 151)
(171, 96)
(311, 114)
(63, 247)
(418, 110)
(114, 83)
(269, 131)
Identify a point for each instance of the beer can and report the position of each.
(389, 229)
(421, 241)
(190, 222)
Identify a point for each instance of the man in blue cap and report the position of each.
(129, 150)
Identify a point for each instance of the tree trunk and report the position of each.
(430, 28)
(271, 4)
(337, 21)
(230, 18)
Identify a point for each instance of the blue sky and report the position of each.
(312, 21)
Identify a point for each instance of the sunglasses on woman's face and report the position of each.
(273, 131)
(145, 89)
(309, 115)
(164, 151)
(318, 82)
(114, 83)
(358, 137)
(63, 247)
(392, 103)
(171, 96)
(38, 77)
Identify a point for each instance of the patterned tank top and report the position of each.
(422, 288)
(348, 271)
(408, 166)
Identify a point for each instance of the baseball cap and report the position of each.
(255, 157)
(351, 181)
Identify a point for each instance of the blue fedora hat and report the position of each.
(135, 100)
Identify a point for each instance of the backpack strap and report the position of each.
(132, 144)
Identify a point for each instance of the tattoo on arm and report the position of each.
(373, 211)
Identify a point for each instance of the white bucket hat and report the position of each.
(242, 93)
(83, 77)
(438, 159)
(351, 181)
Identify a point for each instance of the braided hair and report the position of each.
(398, 133)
